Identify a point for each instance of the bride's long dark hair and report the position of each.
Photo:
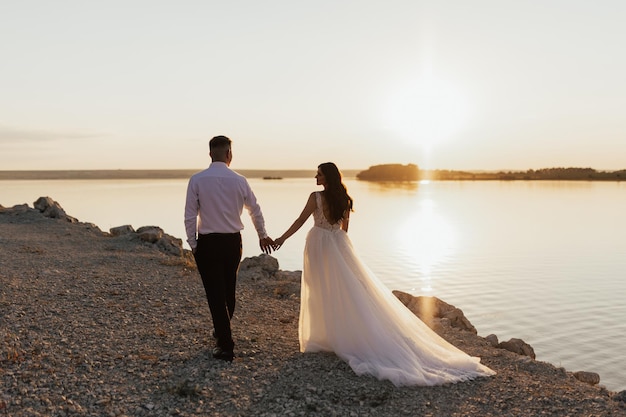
(335, 193)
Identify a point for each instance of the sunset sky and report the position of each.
(450, 84)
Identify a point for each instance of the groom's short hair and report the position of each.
(219, 142)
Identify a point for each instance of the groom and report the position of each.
(215, 200)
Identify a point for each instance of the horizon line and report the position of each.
(5, 171)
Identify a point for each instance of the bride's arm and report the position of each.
(345, 221)
(306, 212)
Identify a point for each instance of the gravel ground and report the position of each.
(92, 324)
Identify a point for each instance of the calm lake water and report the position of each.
(541, 261)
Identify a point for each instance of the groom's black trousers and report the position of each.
(218, 256)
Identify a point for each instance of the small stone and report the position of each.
(492, 339)
(121, 230)
(620, 396)
(590, 378)
(518, 346)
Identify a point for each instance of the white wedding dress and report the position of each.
(345, 309)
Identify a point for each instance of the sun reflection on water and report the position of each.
(428, 240)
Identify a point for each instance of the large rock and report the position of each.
(287, 283)
(50, 208)
(263, 270)
(150, 234)
(518, 346)
(20, 209)
(258, 267)
(170, 244)
(431, 310)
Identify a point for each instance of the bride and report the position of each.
(345, 308)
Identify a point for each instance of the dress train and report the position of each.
(346, 309)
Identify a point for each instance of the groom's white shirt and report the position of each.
(215, 200)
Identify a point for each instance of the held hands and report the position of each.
(267, 244)
(278, 243)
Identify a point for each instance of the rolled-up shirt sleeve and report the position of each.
(191, 214)
(254, 209)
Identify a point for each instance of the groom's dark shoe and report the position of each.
(223, 355)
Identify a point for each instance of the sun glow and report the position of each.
(428, 239)
(426, 111)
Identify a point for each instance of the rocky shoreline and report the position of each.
(116, 324)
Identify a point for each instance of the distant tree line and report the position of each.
(411, 172)
(572, 173)
(390, 172)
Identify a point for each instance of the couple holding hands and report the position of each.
(344, 308)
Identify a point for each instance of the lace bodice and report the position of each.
(318, 215)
